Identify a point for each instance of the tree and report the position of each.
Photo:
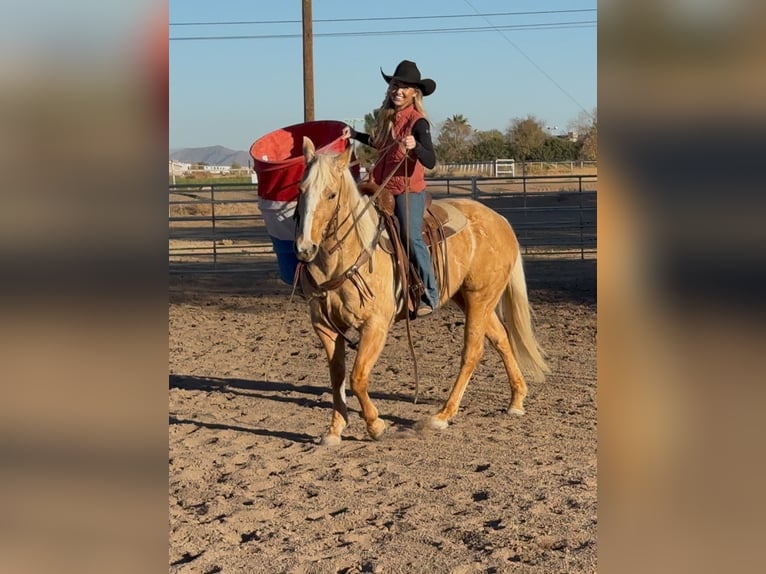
(556, 148)
(525, 136)
(586, 128)
(583, 123)
(455, 139)
(489, 145)
(367, 154)
(235, 165)
(589, 147)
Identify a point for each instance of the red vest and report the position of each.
(410, 176)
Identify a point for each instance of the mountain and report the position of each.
(211, 155)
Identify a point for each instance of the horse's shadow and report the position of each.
(291, 436)
(269, 390)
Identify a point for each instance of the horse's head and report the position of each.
(319, 200)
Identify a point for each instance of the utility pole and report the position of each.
(308, 63)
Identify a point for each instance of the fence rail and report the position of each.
(219, 228)
(512, 168)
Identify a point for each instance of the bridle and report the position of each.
(321, 290)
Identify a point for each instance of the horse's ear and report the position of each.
(308, 149)
(344, 158)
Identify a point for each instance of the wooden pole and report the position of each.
(308, 63)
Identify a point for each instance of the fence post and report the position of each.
(524, 180)
(474, 188)
(579, 213)
(212, 211)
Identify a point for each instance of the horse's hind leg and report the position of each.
(372, 339)
(476, 313)
(335, 347)
(498, 337)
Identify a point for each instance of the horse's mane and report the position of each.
(320, 177)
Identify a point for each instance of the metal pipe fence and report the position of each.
(219, 227)
(506, 167)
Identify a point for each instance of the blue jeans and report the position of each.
(418, 250)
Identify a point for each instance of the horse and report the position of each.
(350, 281)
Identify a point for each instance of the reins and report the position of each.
(296, 277)
(404, 273)
(405, 283)
(352, 273)
(374, 196)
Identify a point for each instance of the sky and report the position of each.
(231, 91)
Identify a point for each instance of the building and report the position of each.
(178, 167)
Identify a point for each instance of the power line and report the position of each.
(517, 27)
(382, 18)
(531, 61)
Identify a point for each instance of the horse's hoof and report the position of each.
(432, 423)
(330, 440)
(515, 411)
(376, 429)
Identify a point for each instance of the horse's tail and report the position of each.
(517, 317)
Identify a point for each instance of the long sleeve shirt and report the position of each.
(424, 147)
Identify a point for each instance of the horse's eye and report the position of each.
(332, 196)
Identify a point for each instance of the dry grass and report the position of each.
(532, 169)
(190, 209)
(559, 170)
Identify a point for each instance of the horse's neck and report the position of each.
(341, 249)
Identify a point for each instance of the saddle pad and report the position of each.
(445, 214)
(438, 213)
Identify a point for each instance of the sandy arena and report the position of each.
(251, 490)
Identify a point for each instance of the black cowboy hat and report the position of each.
(407, 72)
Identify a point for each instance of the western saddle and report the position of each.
(440, 221)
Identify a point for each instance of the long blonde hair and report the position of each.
(384, 117)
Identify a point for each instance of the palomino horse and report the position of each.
(350, 282)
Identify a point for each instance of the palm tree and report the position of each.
(454, 140)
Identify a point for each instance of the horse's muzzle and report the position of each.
(306, 251)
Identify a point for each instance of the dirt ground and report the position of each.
(251, 490)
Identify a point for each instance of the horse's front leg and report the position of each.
(335, 347)
(371, 341)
